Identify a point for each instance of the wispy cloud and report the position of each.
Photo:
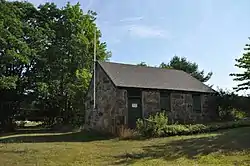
(147, 31)
(130, 19)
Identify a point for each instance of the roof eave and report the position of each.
(160, 89)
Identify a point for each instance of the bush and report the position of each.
(20, 123)
(231, 114)
(175, 130)
(237, 115)
(154, 125)
(151, 128)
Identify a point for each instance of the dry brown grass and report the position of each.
(126, 133)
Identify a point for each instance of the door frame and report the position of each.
(134, 93)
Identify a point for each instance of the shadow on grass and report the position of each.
(29, 131)
(19, 152)
(225, 142)
(40, 136)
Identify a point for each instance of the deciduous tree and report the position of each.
(19, 40)
(46, 54)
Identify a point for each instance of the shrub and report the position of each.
(197, 128)
(140, 126)
(153, 128)
(20, 123)
(237, 115)
(231, 106)
(231, 114)
(171, 130)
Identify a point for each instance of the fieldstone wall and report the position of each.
(121, 109)
(105, 104)
(209, 107)
(89, 106)
(111, 104)
(181, 107)
(150, 102)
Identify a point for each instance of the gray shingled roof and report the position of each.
(125, 75)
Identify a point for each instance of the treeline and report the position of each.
(46, 59)
(181, 63)
(231, 105)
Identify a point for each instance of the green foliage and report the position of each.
(18, 38)
(65, 67)
(237, 115)
(243, 63)
(47, 57)
(197, 128)
(154, 125)
(174, 130)
(140, 125)
(151, 128)
(160, 118)
(8, 82)
(20, 124)
(181, 63)
(231, 114)
(231, 106)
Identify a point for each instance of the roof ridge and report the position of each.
(127, 64)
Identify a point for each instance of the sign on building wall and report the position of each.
(134, 105)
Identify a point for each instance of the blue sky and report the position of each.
(210, 33)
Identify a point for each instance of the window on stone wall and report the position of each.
(196, 102)
(165, 101)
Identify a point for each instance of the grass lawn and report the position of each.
(228, 147)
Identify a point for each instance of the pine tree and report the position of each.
(243, 63)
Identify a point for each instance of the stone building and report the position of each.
(125, 93)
